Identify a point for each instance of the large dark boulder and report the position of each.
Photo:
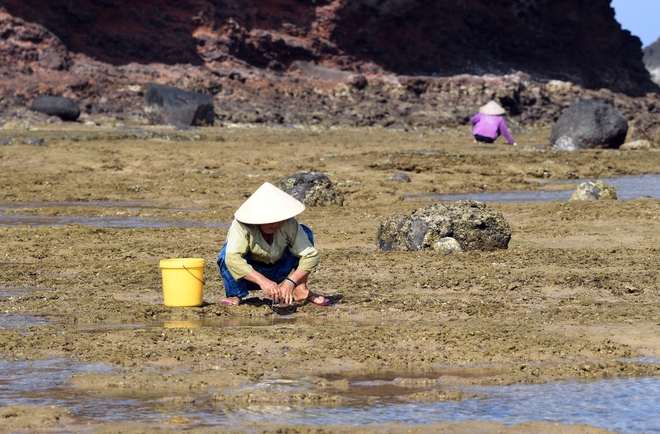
(174, 106)
(312, 189)
(470, 223)
(589, 124)
(64, 108)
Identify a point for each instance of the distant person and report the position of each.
(488, 124)
(267, 249)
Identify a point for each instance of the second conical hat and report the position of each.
(268, 204)
(492, 108)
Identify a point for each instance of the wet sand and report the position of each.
(576, 294)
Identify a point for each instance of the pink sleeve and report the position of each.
(505, 132)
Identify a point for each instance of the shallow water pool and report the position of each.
(627, 188)
(622, 405)
(103, 222)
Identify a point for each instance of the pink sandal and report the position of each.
(312, 299)
(231, 301)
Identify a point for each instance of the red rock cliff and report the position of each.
(360, 62)
(562, 39)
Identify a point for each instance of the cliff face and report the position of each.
(357, 62)
(549, 39)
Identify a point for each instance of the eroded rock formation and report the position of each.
(360, 62)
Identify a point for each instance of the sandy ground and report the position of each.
(575, 295)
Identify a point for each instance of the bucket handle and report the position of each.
(192, 274)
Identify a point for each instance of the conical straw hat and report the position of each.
(268, 204)
(492, 108)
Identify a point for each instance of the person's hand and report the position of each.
(271, 289)
(514, 144)
(286, 292)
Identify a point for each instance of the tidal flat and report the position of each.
(575, 296)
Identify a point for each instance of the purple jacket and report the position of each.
(490, 126)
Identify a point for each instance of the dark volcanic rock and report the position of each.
(64, 108)
(472, 225)
(561, 39)
(312, 189)
(324, 62)
(589, 124)
(169, 105)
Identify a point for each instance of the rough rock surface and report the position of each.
(173, 106)
(589, 124)
(323, 62)
(470, 223)
(636, 145)
(594, 190)
(64, 108)
(646, 127)
(312, 189)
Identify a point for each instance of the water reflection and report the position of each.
(16, 291)
(12, 321)
(101, 204)
(627, 188)
(623, 405)
(104, 222)
(265, 321)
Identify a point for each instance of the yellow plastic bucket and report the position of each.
(183, 281)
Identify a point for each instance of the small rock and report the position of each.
(636, 145)
(399, 177)
(5, 141)
(447, 245)
(594, 190)
(34, 141)
(17, 124)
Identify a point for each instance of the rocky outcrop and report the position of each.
(312, 189)
(469, 223)
(545, 38)
(323, 62)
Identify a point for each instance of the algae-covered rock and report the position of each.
(594, 190)
(312, 189)
(470, 223)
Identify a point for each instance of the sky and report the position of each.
(640, 17)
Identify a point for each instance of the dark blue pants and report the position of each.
(275, 272)
(484, 139)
